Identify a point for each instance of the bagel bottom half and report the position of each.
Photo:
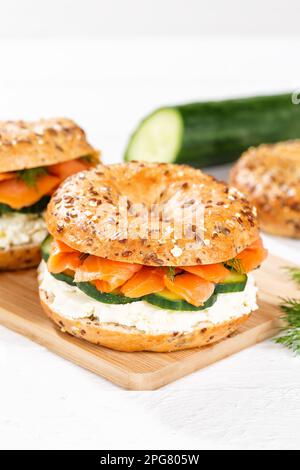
(20, 257)
(129, 339)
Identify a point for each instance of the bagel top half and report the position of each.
(25, 145)
(77, 214)
(269, 175)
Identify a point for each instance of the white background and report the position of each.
(98, 18)
(106, 64)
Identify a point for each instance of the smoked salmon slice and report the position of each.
(17, 194)
(146, 281)
(63, 258)
(107, 274)
(252, 256)
(65, 169)
(190, 287)
(61, 262)
(210, 272)
(7, 176)
(59, 246)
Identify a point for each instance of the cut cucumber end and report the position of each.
(235, 282)
(46, 247)
(158, 138)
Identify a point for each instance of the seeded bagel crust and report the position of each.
(269, 175)
(230, 222)
(20, 257)
(45, 142)
(127, 339)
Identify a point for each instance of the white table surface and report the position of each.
(251, 399)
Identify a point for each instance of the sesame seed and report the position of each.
(176, 251)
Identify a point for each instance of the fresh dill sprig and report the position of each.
(171, 271)
(30, 176)
(290, 336)
(294, 273)
(236, 265)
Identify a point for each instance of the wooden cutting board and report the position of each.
(21, 312)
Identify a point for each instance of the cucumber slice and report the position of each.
(5, 209)
(158, 139)
(36, 208)
(167, 294)
(91, 291)
(46, 247)
(65, 278)
(235, 282)
(165, 299)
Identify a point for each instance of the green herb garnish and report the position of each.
(235, 264)
(295, 273)
(290, 336)
(171, 271)
(30, 176)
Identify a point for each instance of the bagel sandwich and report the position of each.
(35, 157)
(117, 278)
(269, 175)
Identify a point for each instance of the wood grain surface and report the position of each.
(20, 311)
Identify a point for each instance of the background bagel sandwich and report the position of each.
(269, 175)
(157, 291)
(35, 157)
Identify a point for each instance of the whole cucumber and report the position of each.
(214, 132)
